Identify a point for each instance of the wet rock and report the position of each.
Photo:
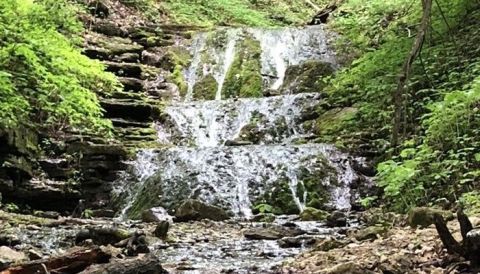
(102, 235)
(337, 219)
(47, 214)
(313, 214)
(307, 77)
(271, 232)
(424, 216)
(194, 210)
(34, 254)
(162, 229)
(156, 215)
(329, 244)
(9, 256)
(9, 240)
(140, 265)
(237, 143)
(370, 233)
(264, 217)
(295, 242)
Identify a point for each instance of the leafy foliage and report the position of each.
(439, 157)
(43, 76)
(239, 12)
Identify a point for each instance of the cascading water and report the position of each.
(286, 47)
(221, 58)
(280, 48)
(212, 123)
(240, 152)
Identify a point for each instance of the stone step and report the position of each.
(123, 123)
(133, 70)
(129, 109)
(126, 95)
(131, 84)
(140, 138)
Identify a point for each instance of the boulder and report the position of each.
(102, 235)
(162, 229)
(424, 216)
(47, 214)
(337, 219)
(370, 233)
(9, 256)
(156, 215)
(296, 242)
(313, 214)
(329, 244)
(194, 210)
(272, 232)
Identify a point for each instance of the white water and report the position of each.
(211, 123)
(198, 46)
(144, 166)
(220, 58)
(232, 176)
(200, 164)
(285, 47)
(280, 48)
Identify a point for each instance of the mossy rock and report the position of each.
(244, 77)
(280, 198)
(206, 88)
(307, 77)
(175, 60)
(424, 216)
(313, 214)
(370, 233)
(194, 210)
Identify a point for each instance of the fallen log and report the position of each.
(72, 262)
(138, 265)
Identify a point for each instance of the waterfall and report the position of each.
(280, 48)
(219, 57)
(212, 123)
(198, 45)
(240, 152)
(285, 47)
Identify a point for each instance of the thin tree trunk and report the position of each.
(399, 93)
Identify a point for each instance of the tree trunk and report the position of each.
(399, 93)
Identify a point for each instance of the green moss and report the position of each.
(244, 77)
(281, 199)
(206, 88)
(176, 59)
(307, 77)
(313, 214)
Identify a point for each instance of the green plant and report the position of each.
(87, 214)
(44, 78)
(471, 202)
(264, 208)
(11, 207)
(367, 202)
